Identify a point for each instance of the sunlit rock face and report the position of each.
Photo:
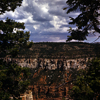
(27, 95)
(52, 64)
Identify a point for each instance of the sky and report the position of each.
(45, 19)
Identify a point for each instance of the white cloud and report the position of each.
(57, 39)
(36, 27)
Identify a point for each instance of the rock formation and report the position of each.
(52, 64)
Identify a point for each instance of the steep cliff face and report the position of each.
(50, 84)
(27, 95)
(52, 64)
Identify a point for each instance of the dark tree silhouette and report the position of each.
(88, 19)
(13, 78)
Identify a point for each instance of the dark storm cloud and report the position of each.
(62, 26)
(56, 8)
(47, 25)
(54, 33)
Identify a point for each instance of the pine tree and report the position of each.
(88, 19)
(13, 78)
(12, 38)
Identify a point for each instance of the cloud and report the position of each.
(45, 19)
(38, 11)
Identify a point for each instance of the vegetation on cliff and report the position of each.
(87, 84)
(46, 77)
(61, 50)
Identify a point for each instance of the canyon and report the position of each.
(53, 66)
